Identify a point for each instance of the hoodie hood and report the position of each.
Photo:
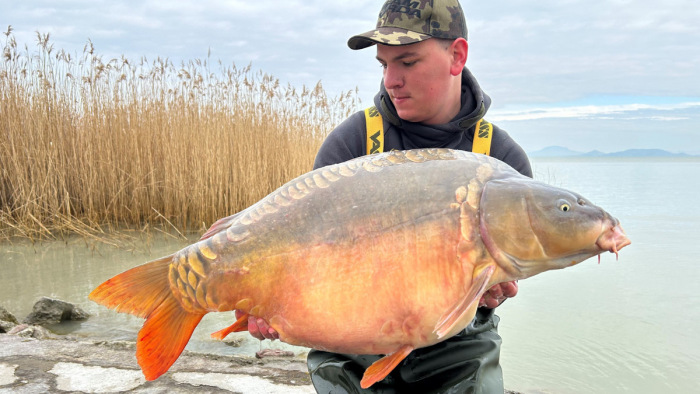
(474, 104)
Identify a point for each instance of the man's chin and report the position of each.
(407, 115)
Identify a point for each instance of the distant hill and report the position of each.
(554, 151)
(560, 151)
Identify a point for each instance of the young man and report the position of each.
(428, 99)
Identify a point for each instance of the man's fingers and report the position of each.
(253, 328)
(510, 289)
(266, 331)
(488, 301)
(258, 327)
(496, 292)
(495, 296)
(263, 328)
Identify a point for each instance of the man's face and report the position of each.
(417, 78)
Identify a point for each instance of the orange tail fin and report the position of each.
(163, 337)
(138, 291)
(144, 291)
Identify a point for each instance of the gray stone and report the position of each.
(7, 320)
(27, 331)
(5, 315)
(48, 311)
(6, 326)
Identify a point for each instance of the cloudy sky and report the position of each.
(607, 75)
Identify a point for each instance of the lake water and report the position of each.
(621, 326)
(626, 326)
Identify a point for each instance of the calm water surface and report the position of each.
(621, 326)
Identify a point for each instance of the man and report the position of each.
(428, 99)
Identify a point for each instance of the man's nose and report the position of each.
(393, 78)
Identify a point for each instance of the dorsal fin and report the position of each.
(220, 225)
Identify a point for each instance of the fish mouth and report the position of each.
(613, 239)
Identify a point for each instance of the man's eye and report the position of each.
(409, 64)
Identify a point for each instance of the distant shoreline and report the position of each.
(563, 152)
(615, 158)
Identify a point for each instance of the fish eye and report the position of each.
(564, 206)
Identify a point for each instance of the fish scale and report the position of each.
(187, 275)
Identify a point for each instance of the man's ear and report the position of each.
(459, 50)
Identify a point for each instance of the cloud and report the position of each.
(540, 63)
(556, 51)
(562, 50)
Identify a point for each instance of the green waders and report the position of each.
(465, 363)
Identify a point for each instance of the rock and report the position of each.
(48, 311)
(27, 331)
(6, 326)
(234, 342)
(7, 320)
(5, 315)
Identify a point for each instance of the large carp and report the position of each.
(378, 255)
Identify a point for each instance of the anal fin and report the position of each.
(383, 367)
(240, 325)
(453, 316)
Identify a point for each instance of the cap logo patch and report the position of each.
(410, 8)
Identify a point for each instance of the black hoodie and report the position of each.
(348, 140)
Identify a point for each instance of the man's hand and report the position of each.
(498, 293)
(259, 328)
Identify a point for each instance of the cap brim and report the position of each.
(386, 36)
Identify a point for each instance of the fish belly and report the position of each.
(368, 296)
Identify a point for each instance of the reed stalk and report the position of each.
(89, 145)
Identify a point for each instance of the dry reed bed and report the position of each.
(88, 145)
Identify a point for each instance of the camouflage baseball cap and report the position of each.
(404, 22)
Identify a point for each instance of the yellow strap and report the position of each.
(375, 133)
(375, 130)
(482, 137)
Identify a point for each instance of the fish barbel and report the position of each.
(407, 241)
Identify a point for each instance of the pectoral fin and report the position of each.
(383, 367)
(240, 325)
(456, 314)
